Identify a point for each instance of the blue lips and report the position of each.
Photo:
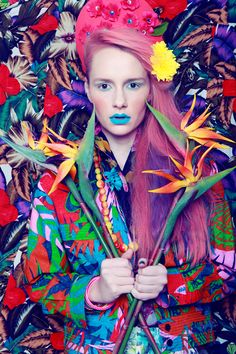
(120, 119)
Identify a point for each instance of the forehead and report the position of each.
(112, 63)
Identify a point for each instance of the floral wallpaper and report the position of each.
(41, 78)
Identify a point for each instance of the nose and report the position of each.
(119, 99)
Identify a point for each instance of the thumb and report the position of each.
(128, 254)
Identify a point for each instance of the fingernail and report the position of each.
(142, 262)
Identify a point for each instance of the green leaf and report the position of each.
(207, 182)
(160, 30)
(176, 137)
(84, 162)
(61, 5)
(36, 156)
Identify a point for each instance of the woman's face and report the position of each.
(118, 86)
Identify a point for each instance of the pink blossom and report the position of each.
(145, 29)
(130, 4)
(95, 8)
(111, 12)
(150, 18)
(85, 32)
(130, 20)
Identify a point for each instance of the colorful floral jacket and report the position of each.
(64, 255)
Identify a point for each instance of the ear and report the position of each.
(87, 90)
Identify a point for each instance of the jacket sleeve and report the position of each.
(50, 277)
(212, 279)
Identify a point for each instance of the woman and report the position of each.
(67, 269)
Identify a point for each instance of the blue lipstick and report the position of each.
(120, 119)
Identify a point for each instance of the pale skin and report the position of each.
(121, 86)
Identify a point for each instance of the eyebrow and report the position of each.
(126, 81)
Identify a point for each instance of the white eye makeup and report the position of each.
(132, 85)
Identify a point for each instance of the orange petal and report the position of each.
(207, 133)
(44, 136)
(69, 142)
(29, 135)
(201, 161)
(189, 156)
(63, 171)
(198, 121)
(73, 172)
(64, 149)
(208, 143)
(185, 120)
(185, 172)
(162, 174)
(170, 187)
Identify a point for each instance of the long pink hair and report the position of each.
(190, 237)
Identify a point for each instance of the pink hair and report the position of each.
(190, 237)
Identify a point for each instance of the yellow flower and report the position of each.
(164, 64)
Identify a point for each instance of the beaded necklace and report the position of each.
(121, 246)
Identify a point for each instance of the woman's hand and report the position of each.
(149, 282)
(116, 278)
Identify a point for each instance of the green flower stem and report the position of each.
(110, 251)
(136, 305)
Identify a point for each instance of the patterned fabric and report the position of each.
(64, 255)
(37, 45)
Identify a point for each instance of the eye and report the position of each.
(103, 86)
(134, 85)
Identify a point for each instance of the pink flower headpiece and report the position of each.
(97, 14)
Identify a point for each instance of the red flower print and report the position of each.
(130, 4)
(85, 32)
(9, 86)
(46, 23)
(229, 88)
(145, 29)
(150, 18)
(8, 212)
(168, 8)
(52, 103)
(14, 296)
(57, 340)
(95, 8)
(130, 20)
(111, 12)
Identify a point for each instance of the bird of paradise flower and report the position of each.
(188, 173)
(202, 135)
(64, 151)
(195, 131)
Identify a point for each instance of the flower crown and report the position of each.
(133, 14)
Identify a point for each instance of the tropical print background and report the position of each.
(41, 77)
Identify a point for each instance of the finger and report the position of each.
(125, 289)
(153, 270)
(149, 289)
(142, 296)
(128, 254)
(124, 281)
(116, 262)
(151, 280)
(118, 271)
